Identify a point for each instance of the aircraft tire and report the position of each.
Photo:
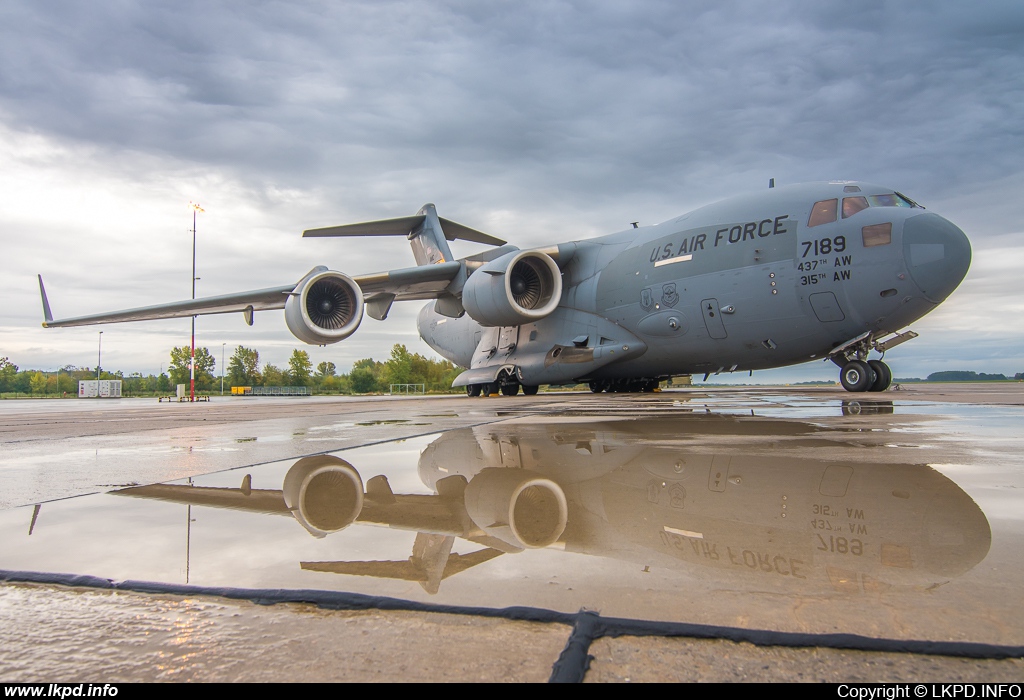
(472, 390)
(530, 389)
(856, 376)
(597, 386)
(509, 389)
(489, 389)
(883, 375)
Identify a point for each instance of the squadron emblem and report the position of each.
(669, 297)
(646, 299)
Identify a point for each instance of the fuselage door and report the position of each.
(507, 340)
(713, 318)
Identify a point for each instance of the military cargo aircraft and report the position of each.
(817, 271)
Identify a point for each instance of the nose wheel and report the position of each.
(883, 375)
(873, 375)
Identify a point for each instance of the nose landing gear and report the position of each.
(873, 375)
(883, 375)
(857, 373)
(856, 376)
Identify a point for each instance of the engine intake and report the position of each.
(517, 506)
(517, 288)
(324, 493)
(325, 307)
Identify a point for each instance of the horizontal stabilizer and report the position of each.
(456, 231)
(407, 570)
(402, 227)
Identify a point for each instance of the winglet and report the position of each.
(47, 316)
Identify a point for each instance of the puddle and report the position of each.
(711, 516)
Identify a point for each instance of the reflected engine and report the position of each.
(324, 307)
(324, 493)
(517, 288)
(518, 507)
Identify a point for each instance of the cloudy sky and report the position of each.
(533, 121)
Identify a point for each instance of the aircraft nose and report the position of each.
(937, 254)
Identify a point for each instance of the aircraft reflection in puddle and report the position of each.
(724, 495)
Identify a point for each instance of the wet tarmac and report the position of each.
(896, 517)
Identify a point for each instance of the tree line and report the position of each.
(243, 369)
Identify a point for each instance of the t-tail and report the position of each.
(428, 234)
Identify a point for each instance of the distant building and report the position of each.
(102, 389)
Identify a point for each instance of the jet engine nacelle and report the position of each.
(517, 288)
(324, 493)
(324, 307)
(517, 506)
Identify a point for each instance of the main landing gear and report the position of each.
(858, 375)
(506, 384)
(629, 386)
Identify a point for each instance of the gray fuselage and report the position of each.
(756, 281)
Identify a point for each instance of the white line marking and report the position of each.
(681, 258)
(684, 533)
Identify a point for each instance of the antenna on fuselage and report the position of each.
(635, 224)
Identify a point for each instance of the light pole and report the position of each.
(222, 346)
(192, 364)
(99, 357)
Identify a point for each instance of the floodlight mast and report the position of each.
(192, 363)
(99, 359)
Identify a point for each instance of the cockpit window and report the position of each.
(879, 234)
(852, 205)
(909, 201)
(823, 212)
(888, 200)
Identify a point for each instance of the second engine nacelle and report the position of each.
(517, 288)
(325, 307)
(324, 493)
(517, 506)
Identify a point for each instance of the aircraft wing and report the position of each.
(246, 302)
(423, 282)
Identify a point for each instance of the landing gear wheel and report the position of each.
(597, 386)
(509, 389)
(530, 389)
(856, 376)
(472, 390)
(883, 375)
(489, 389)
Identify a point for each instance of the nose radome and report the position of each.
(937, 254)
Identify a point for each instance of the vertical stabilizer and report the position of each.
(428, 241)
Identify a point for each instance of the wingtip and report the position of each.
(47, 316)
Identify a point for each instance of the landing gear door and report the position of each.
(507, 339)
(510, 456)
(486, 347)
(713, 318)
